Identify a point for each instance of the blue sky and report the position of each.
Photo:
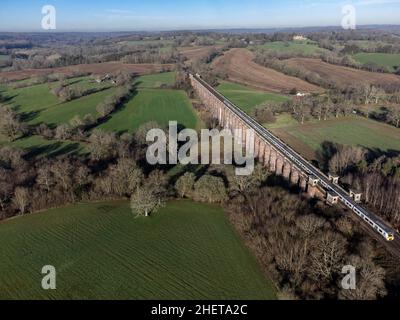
(127, 15)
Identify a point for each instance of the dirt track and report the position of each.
(240, 67)
(96, 68)
(344, 75)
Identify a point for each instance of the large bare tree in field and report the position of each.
(144, 201)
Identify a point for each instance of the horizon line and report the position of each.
(201, 29)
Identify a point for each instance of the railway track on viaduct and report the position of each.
(283, 160)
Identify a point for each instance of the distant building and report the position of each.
(299, 38)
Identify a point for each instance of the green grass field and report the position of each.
(36, 104)
(353, 130)
(299, 47)
(101, 251)
(160, 105)
(64, 112)
(38, 146)
(247, 98)
(154, 81)
(388, 60)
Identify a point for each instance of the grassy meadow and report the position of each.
(353, 130)
(101, 251)
(299, 47)
(388, 60)
(38, 146)
(247, 98)
(36, 104)
(159, 105)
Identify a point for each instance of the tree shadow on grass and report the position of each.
(53, 150)
(118, 109)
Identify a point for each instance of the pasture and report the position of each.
(154, 81)
(64, 112)
(101, 251)
(159, 105)
(38, 146)
(354, 130)
(36, 104)
(294, 47)
(388, 60)
(151, 103)
(247, 98)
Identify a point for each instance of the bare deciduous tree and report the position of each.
(21, 199)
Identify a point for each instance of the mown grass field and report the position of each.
(299, 47)
(388, 60)
(36, 104)
(159, 105)
(38, 146)
(151, 103)
(353, 130)
(247, 98)
(64, 112)
(101, 251)
(153, 81)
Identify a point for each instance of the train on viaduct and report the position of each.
(281, 159)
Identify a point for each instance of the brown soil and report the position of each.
(240, 67)
(194, 54)
(96, 68)
(344, 75)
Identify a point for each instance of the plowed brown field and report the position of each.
(96, 68)
(240, 67)
(343, 75)
(194, 54)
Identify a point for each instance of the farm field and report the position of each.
(101, 251)
(38, 146)
(151, 103)
(95, 68)
(247, 98)
(388, 60)
(64, 112)
(240, 67)
(194, 54)
(299, 47)
(354, 130)
(159, 105)
(37, 98)
(344, 75)
(153, 81)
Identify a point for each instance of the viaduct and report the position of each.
(279, 158)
